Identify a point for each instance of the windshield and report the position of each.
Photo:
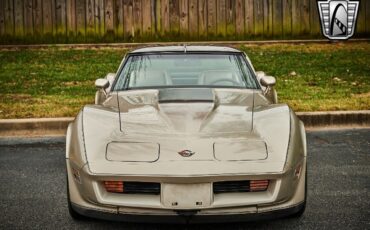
(185, 70)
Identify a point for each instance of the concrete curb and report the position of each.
(336, 118)
(34, 126)
(58, 126)
(143, 44)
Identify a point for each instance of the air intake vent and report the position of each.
(142, 187)
(132, 187)
(240, 186)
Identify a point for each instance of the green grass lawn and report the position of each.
(56, 82)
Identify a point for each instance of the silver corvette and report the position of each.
(186, 134)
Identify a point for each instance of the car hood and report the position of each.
(185, 111)
(148, 130)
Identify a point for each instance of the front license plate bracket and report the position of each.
(186, 196)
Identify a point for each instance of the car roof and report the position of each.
(185, 48)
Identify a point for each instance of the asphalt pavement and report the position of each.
(33, 187)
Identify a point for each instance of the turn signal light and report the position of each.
(258, 185)
(297, 171)
(76, 175)
(113, 186)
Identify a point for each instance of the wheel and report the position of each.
(75, 215)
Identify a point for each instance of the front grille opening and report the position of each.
(131, 187)
(240, 186)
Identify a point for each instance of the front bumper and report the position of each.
(188, 217)
(226, 208)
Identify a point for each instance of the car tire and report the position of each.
(75, 215)
(300, 211)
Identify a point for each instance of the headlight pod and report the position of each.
(240, 150)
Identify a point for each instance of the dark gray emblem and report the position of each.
(186, 153)
(338, 18)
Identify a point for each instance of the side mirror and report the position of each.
(110, 77)
(260, 74)
(101, 83)
(268, 81)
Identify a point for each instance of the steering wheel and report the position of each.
(226, 80)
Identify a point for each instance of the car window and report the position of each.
(185, 70)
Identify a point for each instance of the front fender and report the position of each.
(297, 148)
(271, 122)
(75, 143)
